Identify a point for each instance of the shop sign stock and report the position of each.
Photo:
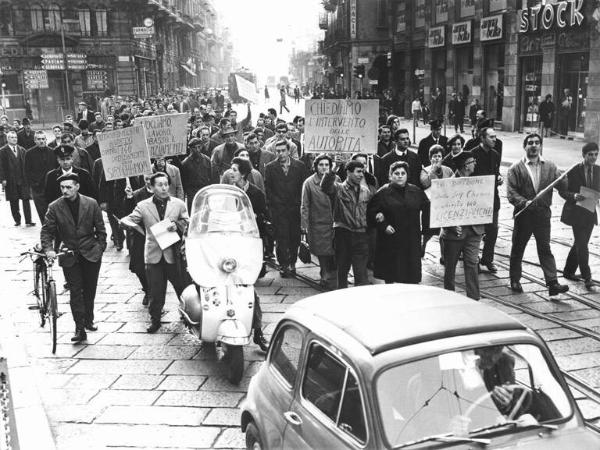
(436, 37)
(543, 17)
(461, 32)
(490, 28)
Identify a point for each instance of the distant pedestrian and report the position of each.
(526, 179)
(564, 113)
(282, 101)
(14, 180)
(580, 219)
(267, 96)
(416, 111)
(39, 160)
(546, 111)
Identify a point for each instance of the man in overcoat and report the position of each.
(39, 160)
(14, 181)
(76, 220)
(283, 184)
(581, 220)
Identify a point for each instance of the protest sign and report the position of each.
(344, 126)
(166, 135)
(246, 89)
(462, 201)
(124, 153)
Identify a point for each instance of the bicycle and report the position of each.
(44, 289)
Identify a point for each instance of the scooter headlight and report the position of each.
(228, 265)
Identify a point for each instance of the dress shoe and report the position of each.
(490, 266)
(91, 327)
(30, 224)
(515, 286)
(571, 276)
(260, 340)
(292, 269)
(79, 335)
(146, 300)
(284, 272)
(153, 328)
(589, 284)
(556, 288)
(17, 224)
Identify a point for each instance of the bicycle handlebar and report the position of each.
(43, 255)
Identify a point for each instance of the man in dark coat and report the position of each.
(14, 181)
(581, 219)
(400, 153)
(26, 136)
(76, 220)
(385, 143)
(84, 113)
(435, 137)
(456, 112)
(195, 171)
(39, 160)
(64, 156)
(284, 178)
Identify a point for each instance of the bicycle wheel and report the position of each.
(52, 311)
(42, 298)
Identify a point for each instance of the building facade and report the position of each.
(54, 53)
(507, 54)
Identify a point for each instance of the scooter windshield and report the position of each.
(222, 209)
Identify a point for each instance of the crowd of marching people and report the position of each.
(362, 212)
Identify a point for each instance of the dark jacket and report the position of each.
(426, 143)
(572, 214)
(414, 167)
(135, 240)
(12, 169)
(284, 192)
(52, 186)
(195, 173)
(87, 237)
(488, 163)
(398, 255)
(38, 162)
(25, 139)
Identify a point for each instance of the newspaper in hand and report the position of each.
(163, 236)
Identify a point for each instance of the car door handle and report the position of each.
(292, 418)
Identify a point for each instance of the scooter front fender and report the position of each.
(233, 332)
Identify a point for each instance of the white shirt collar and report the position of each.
(527, 161)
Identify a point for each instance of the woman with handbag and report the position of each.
(316, 219)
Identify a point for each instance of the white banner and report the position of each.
(246, 89)
(124, 153)
(166, 135)
(341, 126)
(461, 201)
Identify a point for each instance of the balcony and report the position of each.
(199, 22)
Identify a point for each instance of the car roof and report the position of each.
(384, 317)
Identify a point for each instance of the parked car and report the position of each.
(408, 366)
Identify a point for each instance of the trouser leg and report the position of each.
(143, 280)
(282, 240)
(452, 250)
(295, 237)
(520, 237)
(360, 257)
(157, 281)
(118, 234)
(470, 253)
(343, 255)
(73, 276)
(541, 232)
(14, 210)
(572, 262)
(175, 278)
(256, 313)
(27, 210)
(489, 240)
(89, 271)
(40, 203)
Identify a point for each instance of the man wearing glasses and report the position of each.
(281, 133)
(526, 178)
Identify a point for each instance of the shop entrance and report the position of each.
(494, 81)
(574, 76)
(531, 94)
(50, 102)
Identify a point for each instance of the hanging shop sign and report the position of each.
(35, 79)
(491, 28)
(545, 16)
(97, 79)
(461, 32)
(436, 37)
(353, 19)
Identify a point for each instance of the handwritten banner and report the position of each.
(343, 126)
(246, 89)
(166, 135)
(124, 153)
(462, 201)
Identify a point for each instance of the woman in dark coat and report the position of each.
(395, 211)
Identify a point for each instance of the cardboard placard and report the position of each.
(166, 135)
(341, 126)
(462, 201)
(246, 89)
(124, 153)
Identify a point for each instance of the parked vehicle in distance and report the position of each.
(408, 366)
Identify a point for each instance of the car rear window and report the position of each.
(286, 353)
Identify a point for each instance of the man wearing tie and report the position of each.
(12, 176)
(581, 220)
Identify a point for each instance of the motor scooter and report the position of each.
(224, 256)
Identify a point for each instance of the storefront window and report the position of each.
(532, 92)
(419, 13)
(467, 8)
(494, 80)
(572, 90)
(37, 18)
(464, 71)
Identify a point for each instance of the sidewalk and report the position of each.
(561, 151)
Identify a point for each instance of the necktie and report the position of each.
(589, 176)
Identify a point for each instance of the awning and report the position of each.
(188, 70)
